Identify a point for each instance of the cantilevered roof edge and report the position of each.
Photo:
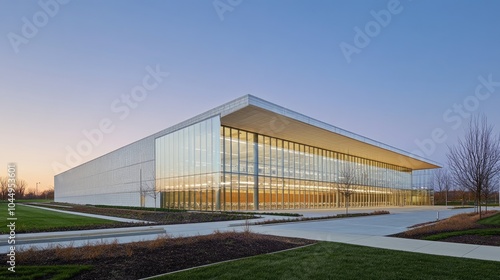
(266, 105)
(223, 109)
(247, 100)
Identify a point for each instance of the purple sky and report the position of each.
(394, 71)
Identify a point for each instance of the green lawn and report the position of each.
(59, 272)
(327, 260)
(444, 235)
(493, 220)
(35, 219)
(39, 200)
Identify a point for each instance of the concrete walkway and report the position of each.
(366, 231)
(371, 231)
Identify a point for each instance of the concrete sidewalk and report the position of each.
(409, 245)
(365, 231)
(372, 231)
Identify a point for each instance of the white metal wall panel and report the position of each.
(112, 179)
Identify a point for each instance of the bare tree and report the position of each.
(489, 189)
(497, 186)
(30, 193)
(462, 192)
(4, 187)
(442, 181)
(20, 188)
(347, 183)
(148, 188)
(476, 159)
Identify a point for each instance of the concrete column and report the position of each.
(256, 172)
(217, 198)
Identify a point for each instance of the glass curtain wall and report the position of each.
(422, 188)
(262, 172)
(188, 167)
(207, 166)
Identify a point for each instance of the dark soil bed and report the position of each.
(491, 240)
(154, 217)
(161, 217)
(144, 259)
(465, 226)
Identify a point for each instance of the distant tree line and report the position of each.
(22, 191)
(46, 194)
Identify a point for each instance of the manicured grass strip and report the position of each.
(140, 208)
(327, 260)
(31, 219)
(34, 200)
(266, 213)
(183, 210)
(59, 272)
(492, 220)
(444, 235)
(338, 216)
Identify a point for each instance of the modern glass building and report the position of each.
(250, 154)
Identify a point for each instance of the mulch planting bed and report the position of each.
(491, 240)
(461, 222)
(161, 217)
(156, 218)
(149, 258)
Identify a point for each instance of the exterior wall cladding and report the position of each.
(209, 162)
(115, 178)
(112, 179)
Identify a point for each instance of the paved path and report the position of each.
(366, 231)
(370, 231)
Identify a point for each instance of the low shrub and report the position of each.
(338, 216)
(140, 208)
(458, 222)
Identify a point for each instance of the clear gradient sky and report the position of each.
(393, 71)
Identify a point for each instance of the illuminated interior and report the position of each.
(210, 166)
(249, 154)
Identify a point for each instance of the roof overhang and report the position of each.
(288, 125)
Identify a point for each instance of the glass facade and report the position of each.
(188, 166)
(207, 166)
(422, 188)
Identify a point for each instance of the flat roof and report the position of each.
(257, 115)
(260, 116)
